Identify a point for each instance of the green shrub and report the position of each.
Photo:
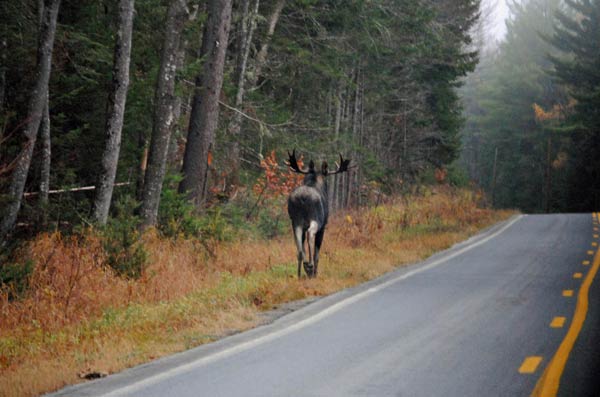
(176, 215)
(121, 240)
(272, 223)
(457, 176)
(214, 226)
(14, 277)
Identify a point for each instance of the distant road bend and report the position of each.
(513, 311)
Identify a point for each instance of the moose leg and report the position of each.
(312, 232)
(299, 239)
(318, 242)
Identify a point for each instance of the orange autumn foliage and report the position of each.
(276, 182)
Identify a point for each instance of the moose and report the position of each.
(308, 209)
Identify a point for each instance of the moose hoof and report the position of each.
(309, 269)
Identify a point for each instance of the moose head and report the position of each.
(309, 210)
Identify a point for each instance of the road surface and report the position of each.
(513, 311)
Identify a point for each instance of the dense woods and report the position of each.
(186, 98)
(142, 147)
(531, 139)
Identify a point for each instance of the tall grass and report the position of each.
(78, 315)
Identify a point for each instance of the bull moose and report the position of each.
(308, 209)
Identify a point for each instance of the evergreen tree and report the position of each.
(502, 115)
(577, 66)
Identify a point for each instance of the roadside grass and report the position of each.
(78, 317)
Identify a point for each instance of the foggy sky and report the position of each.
(500, 14)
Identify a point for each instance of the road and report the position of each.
(489, 317)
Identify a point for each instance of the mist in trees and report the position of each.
(374, 81)
(527, 140)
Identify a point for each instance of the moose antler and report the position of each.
(293, 163)
(342, 166)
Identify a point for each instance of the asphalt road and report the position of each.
(485, 318)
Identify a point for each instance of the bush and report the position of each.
(176, 215)
(14, 277)
(121, 240)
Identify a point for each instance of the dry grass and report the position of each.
(78, 316)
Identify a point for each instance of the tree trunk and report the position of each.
(205, 106)
(164, 112)
(181, 107)
(261, 57)
(46, 144)
(36, 105)
(353, 175)
(115, 113)
(248, 24)
(3, 51)
(46, 159)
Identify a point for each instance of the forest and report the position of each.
(143, 180)
(531, 137)
(179, 103)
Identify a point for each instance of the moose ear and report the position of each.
(324, 168)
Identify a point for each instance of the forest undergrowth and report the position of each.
(78, 315)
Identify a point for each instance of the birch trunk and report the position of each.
(46, 159)
(164, 112)
(205, 106)
(3, 50)
(35, 110)
(115, 113)
(248, 25)
(45, 138)
(261, 56)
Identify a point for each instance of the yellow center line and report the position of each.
(577, 275)
(595, 236)
(567, 293)
(594, 244)
(547, 385)
(590, 252)
(585, 263)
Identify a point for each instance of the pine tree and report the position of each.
(577, 66)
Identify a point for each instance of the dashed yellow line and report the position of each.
(585, 263)
(530, 364)
(558, 322)
(567, 293)
(590, 252)
(577, 275)
(547, 385)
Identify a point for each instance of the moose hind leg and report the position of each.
(299, 239)
(312, 232)
(318, 242)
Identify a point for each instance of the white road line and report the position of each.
(300, 324)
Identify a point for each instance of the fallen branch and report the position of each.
(75, 189)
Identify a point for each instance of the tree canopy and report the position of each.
(375, 80)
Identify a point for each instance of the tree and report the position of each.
(576, 66)
(116, 110)
(501, 115)
(45, 142)
(37, 103)
(246, 32)
(205, 106)
(163, 117)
